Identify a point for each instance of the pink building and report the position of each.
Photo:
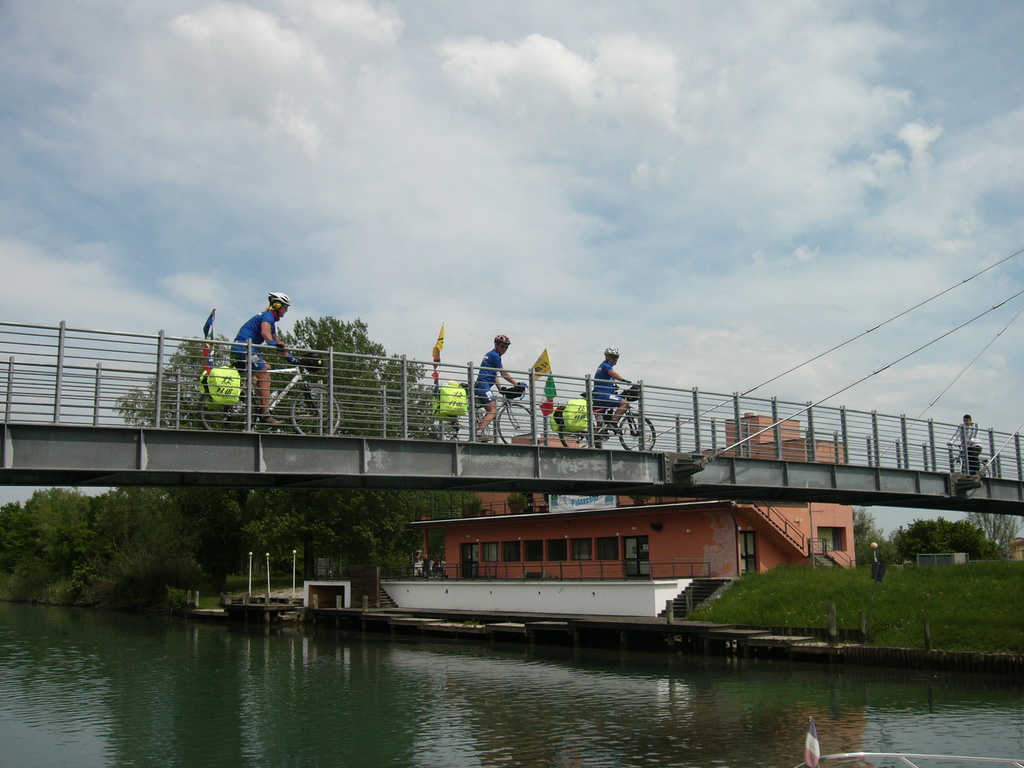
(585, 538)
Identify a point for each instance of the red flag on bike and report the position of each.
(208, 334)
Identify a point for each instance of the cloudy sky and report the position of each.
(722, 188)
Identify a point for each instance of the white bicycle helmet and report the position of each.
(279, 298)
(613, 351)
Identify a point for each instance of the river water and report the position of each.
(84, 689)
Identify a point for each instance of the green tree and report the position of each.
(1001, 530)
(369, 385)
(866, 532)
(941, 535)
(142, 549)
(213, 519)
(47, 546)
(180, 388)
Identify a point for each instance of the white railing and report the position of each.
(56, 374)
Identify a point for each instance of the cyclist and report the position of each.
(487, 378)
(262, 329)
(604, 388)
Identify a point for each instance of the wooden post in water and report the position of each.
(670, 610)
(833, 631)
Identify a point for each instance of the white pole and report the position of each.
(293, 573)
(250, 574)
(268, 578)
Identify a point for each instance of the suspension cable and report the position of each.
(880, 325)
(877, 371)
(862, 334)
(957, 377)
(1006, 442)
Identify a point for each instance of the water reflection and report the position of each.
(89, 689)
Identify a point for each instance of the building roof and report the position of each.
(679, 506)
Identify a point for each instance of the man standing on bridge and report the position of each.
(966, 436)
(262, 329)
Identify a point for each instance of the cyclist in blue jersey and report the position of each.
(604, 387)
(262, 329)
(490, 368)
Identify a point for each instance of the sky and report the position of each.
(721, 188)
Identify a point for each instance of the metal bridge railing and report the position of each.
(57, 374)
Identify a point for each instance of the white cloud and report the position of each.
(726, 190)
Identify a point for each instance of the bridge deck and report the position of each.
(85, 407)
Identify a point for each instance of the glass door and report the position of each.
(748, 552)
(470, 560)
(638, 556)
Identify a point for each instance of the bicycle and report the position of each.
(511, 420)
(307, 409)
(627, 428)
(957, 463)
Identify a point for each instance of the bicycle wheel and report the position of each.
(447, 429)
(220, 417)
(309, 412)
(629, 433)
(573, 439)
(513, 421)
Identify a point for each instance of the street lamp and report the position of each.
(874, 550)
(293, 574)
(268, 578)
(250, 574)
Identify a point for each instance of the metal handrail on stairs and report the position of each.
(783, 525)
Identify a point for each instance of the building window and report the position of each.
(581, 549)
(510, 551)
(533, 550)
(557, 549)
(608, 548)
(489, 550)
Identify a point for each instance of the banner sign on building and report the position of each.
(564, 503)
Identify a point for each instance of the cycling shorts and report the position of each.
(607, 401)
(484, 395)
(256, 362)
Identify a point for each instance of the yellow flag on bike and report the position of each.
(439, 345)
(543, 364)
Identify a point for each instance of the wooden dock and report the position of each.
(625, 633)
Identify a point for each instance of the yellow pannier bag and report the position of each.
(223, 384)
(451, 401)
(571, 417)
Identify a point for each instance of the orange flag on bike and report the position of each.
(438, 346)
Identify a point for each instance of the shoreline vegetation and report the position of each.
(973, 607)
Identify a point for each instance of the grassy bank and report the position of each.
(977, 607)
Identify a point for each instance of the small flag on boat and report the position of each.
(812, 749)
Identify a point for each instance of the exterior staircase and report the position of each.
(783, 525)
(384, 600)
(698, 591)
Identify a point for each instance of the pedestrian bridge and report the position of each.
(97, 408)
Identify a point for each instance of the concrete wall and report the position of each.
(605, 598)
(326, 594)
